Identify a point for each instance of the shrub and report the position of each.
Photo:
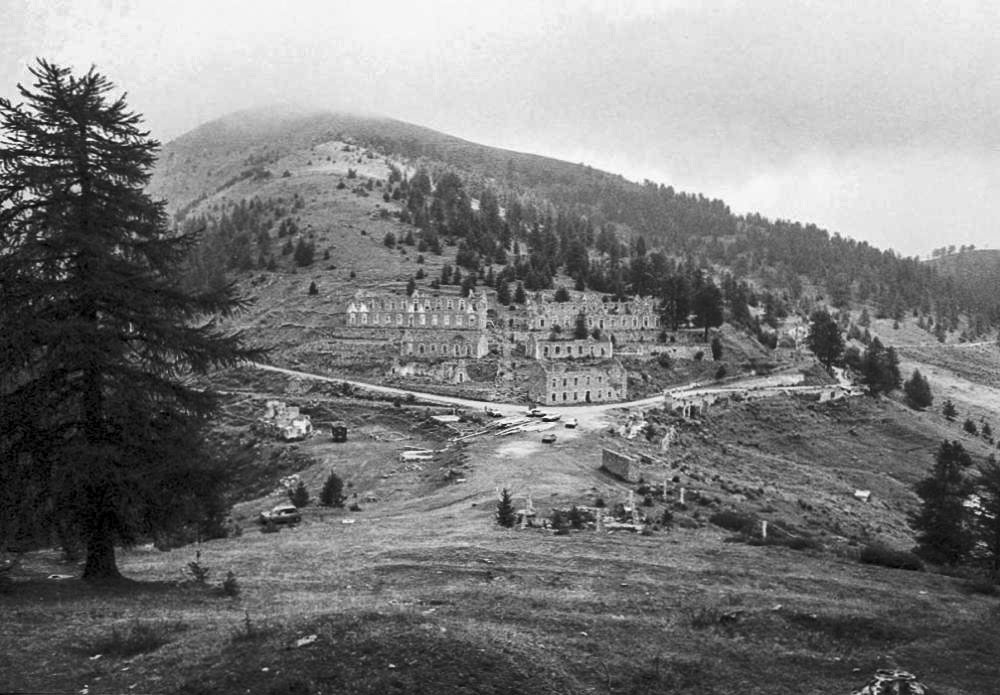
(970, 427)
(599, 502)
(698, 356)
(137, 638)
(299, 495)
(878, 554)
(332, 494)
(269, 527)
(733, 521)
(354, 507)
(230, 587)
(948, 410)
(720, 373)
(578, 518)
(197, 570)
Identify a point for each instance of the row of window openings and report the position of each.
(449, 305)
(454, 349)
(387, 320)
(576, 381)
(600, 323)
(576, 396)
(569, 350)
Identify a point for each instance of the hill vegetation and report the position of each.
(506, 217)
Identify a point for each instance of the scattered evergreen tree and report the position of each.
(825, 339)
(708, 307)
(948, 410)
(519, 296)
(580, 326)
(299, 495)
(98, 424)
(389, 240)
(943, 533)
(918, 391)
(505, 514)
(880, 368)
(332, 494)
(716, 349)
(562, 295)
(304, 253)
(987, 521)
(503, 293)
(313, 290)
(970, 427)
(411, 286)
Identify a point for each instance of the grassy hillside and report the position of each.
(420, 591)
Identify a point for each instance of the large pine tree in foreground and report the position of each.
(99, 426)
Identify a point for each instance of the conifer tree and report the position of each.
(505, 514)
(942, 522)
(98, 424)
(949, 410)
(825, 339)
(918, 391)
(987, 523)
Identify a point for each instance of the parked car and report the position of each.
(571, 423)
(535, 412)
(548, 439)
(493, 412)
(282, 514)
(551, 417)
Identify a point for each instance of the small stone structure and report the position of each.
(286, 422)
(621, 465)
(892, 682)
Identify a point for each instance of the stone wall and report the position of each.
(621, 465)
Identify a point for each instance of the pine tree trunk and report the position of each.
(100, 563)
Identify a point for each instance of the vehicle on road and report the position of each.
(548, 439)
(551, 417)
(535, 412)
(282, 514)
(571, 423)
(492, 412)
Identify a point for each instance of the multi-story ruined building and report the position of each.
(614, 318)
(428, 345)
(568, 383)
(419, 311)
(541, 348)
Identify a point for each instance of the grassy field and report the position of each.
(422, 592)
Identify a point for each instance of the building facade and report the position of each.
(430, 345)
(421, 311)
(567, 383)
(539, 348)
(639, 313)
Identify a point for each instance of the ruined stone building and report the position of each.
(422, 310)
(637, 314)
(539, 347)
(570, 383)
(442, 344)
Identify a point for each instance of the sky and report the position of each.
(875, 119)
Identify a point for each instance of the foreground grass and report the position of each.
(389, 606)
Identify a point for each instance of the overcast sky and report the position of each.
(876, 119)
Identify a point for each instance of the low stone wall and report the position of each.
(621, 465)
